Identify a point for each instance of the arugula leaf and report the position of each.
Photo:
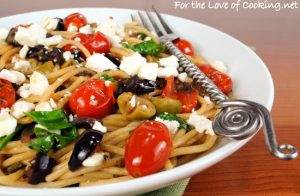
(146, 48)
(7, 138)
(171, 117)
(52, 120)
(106, 77)
(42, 144)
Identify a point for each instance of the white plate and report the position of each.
(251, 77)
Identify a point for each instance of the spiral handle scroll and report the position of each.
(238, 119)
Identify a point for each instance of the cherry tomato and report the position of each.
(93, 42)
(188, 99)
(148, 148)
(184, 46)
(7, 94)
(92, 99)
(75, 19)
(221, 80)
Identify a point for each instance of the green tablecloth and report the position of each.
(173, 190)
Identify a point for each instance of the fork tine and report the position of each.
(156, 28)
(162, 21)
(132, 18)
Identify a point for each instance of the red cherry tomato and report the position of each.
(92, 99)
(188, 99)
(93, 42)
(7, 94)
(148, 149)
(223, 81)
(184, 46)
(75, 19)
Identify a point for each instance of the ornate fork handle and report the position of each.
(238, 119)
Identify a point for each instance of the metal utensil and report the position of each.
(238, 119)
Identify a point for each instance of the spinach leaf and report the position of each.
(52, 120)
(7, 138)
(173, 117)
(68, 135)
(42, 144)
(146, 48)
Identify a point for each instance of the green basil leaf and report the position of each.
(7, 138)
(171, 117)
(68, 135)
(52, 120)
(42, 144)
(41, 131)
(146, 48)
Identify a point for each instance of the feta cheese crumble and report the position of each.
(21, 65)
(49, 23)
(132, 64)
(49, 41)
(107, 83)
(113, 30)
(99, 63)
(72, 28)
(219, 65)
(95, 159)
(24, 90)
(43, 106)
(99, 127)
(183, 77)
(87, 29)
(148, 71)
(132, 101)
(12, 76)
(38, 83)
(172, 125)
(201, 123)
(8, 123)
(3, 34)
(23, 52)
(168, 67)
(30, 35)
(68, 55)
(19, 108)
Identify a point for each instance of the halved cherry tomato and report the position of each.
(93, 42)
(75, 19)
(221, 80)
(7, 94)
(92, 99)
(187, 99)
(148, 148)
(184, 46)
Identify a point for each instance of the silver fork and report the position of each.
(238, 119)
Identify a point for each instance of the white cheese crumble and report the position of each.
(50, 41)
(168, 67)
(12, 76)
(23, 51)
(19, 108)
(107, 83)
(3, 34)
(99, 63)
(113, 30)
(201, 123)
(49, 23)
(99, 127)
(8, 123)
(95, 159)
(72, 28)
(132, 101)
(148, 71)
(77, 39)
(171, 125)
(30, 35)
(43, 106)
(87, 29)
(68, 55)
(132, 64)
(24, 90)
(183, 77)
(52, 103)
(38, 83)
(21, 65)
(219, 65)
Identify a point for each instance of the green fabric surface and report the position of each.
(176, 189)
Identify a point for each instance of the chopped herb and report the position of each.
(106, 77)
(173, 117)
